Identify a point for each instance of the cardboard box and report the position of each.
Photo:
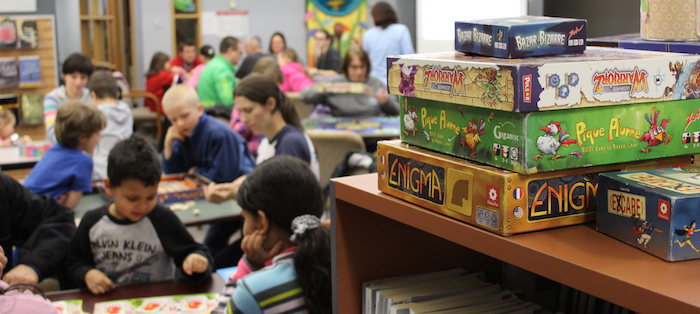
(556, 139)
(173, 188)
(497, 200)
(670, 19)
(598, 77)
(652, 210)
(34, 149)
(665, 46)
(521, 37)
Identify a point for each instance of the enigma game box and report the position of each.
(520, 37)
(597, 77)
(497, 200)
(655, 211)
(555, 139)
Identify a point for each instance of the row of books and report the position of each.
(22, 72)
(448, 291)
(18, 33)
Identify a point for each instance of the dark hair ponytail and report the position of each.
(284, 187)
(259, 88)
(312, 261)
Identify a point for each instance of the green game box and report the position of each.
(553, 140)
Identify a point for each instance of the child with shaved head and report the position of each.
(200, 143)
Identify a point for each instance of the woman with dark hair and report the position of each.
(354, 93)
(277, 43)
(387, 38)
(287, 250)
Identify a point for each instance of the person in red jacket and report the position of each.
(158, 78)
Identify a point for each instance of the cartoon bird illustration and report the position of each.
(472, 134)
(548, 144)
(410, 119)
(657, 133)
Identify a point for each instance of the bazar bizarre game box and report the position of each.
(597, 77)
(655, 211)
(556, 139)
(520, 37)
(497, 200)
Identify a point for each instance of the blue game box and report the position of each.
(521, 37)
(656, 211)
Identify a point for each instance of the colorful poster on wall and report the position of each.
(345, 20)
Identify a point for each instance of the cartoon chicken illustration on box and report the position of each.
(657, 133)
(549, 143)
(473, 132)
(410, 119)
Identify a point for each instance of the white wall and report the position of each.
(153, 31)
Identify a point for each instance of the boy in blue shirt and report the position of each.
(65, 171)
(201, 143)
(134, 239)
(205, 145)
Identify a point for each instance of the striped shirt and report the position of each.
(52, 101)
(273, 289)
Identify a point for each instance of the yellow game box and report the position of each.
(497, 200)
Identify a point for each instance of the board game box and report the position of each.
(521, 37)
(598, 77)
(497, 200)
(178, 187)
(655, 211)
(556, 139)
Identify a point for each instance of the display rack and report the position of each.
(377, 236)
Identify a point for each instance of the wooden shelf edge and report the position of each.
(576, 256)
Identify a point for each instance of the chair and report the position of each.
(303, 109)
(332, 146)
(143, 114)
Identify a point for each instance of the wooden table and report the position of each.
(170, 287)
(208, 212)
(10, 159)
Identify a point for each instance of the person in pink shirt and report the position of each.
(205, 54)
(295, 78)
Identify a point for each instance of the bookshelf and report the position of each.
(378, 236)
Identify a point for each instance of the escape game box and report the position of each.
(598, 77)
(520, 37)
(497, 200)
(556, 139)
(655, 211)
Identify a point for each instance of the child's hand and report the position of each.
(21, 274)
(26, 139)
(3, 259)
(219, 193)
(170, 136)
(97, 282)
(257, 255)
(195, 263)
(382, 96)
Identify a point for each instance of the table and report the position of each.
(169, 287)
(368, 127)
(208, 212)
(10, 159)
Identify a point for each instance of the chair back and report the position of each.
(303, 110)
(332, 146)
(142, 114)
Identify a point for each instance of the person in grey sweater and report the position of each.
(353, 93)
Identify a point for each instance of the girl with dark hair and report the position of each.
(287, 250)
(277, 43)
(158, 78)
(206, 53)
(371, 100)
(387, 38)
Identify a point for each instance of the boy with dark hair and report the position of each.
(65, 172)
(134, 239)
(120, 123)
(186, 59)
(217, 80)
(77, 69)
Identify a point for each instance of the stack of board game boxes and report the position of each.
(515, 144)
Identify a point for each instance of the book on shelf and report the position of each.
(8, 73)
(31, 109)
(27, 33)
(29, 71)
(8, 33)
(451, 291)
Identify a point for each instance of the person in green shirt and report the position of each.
(217, 80)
